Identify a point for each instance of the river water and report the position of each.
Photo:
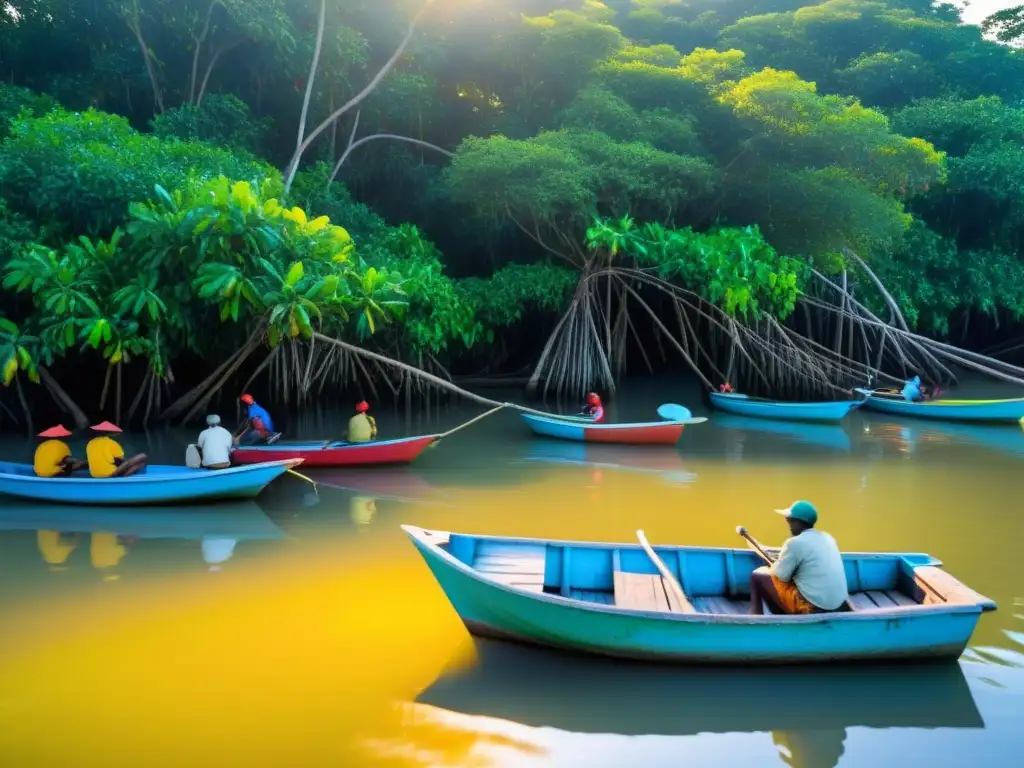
(303, 629)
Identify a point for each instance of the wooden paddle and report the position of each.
(676, 412)
(670, 579)
(755, 544)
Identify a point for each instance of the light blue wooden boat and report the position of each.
(745, 405)
(1008, 411)
(158, 485)
(582, 430)
(611, 600)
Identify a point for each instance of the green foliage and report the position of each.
(733, 268)
(77, 173)
(221, 119)
(502, 300)
(15, 355)
(563, 178)
(20, 102)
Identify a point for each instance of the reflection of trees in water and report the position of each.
(810, 749)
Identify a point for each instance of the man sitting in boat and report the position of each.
(53, 456)
(258, 427)
(362, 428)
(593, 409)
(215, 444)
(808, 576)
(106, 456)
(915, 392)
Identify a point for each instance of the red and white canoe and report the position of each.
(337, 454)
(585, 431)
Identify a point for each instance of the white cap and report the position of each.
(213, 420)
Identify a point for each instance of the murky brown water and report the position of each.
(304, 629)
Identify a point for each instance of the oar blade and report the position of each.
(674, 412)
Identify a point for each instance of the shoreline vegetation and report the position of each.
(201, 197)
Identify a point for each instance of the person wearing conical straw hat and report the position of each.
(53, 456)
(106, 456)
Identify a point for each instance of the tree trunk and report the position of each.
(63, 399)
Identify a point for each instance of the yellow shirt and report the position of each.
(48, 458)
(361, 428)
(101, 452)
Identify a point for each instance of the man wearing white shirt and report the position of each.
(215, 444)
(808, 576)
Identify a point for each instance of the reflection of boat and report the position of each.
(667, 464)
(610, 599)
(997, 438)
(888, 401)
(573, 693)
(745, 405)
(824, 435)
(235, 521)
(338, 454)
(584, 431)
(158, 484)
(398, 483)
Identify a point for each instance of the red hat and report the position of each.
(247, 399)
(362, 406)
(58, 431)
(105, 426)
(593, 399)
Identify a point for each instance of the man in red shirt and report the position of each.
(593, 409)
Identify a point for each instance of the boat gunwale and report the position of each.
(740, 397)
(872, 614)
(898, 398)
(144, 479)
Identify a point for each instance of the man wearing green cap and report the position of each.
(808, 576)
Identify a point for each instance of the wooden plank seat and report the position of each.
(512, 565)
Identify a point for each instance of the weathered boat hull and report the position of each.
(338, 454)
(743, 405)
(1007, 411)
(519, 606)
(577, 430)
(158, 485)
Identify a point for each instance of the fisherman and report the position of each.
(362, 427)
(106, 456)
(593, 409)
(912, 390)
(808, 576)
(53, 456)
(258, 427)
(215, 444)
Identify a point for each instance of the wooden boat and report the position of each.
(157, 485)
(326, 453)
(585, 431)
(889, 401)
(582, 694)
(611, 599)
(745, 405)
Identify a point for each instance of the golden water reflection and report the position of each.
(321, 638)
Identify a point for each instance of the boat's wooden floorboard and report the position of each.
(640, 592)
(592, 596)
(513, 565)
(720, 605)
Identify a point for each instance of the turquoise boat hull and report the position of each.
(1007, 411)
(744, 405)
(566, 595)
(158, 485)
